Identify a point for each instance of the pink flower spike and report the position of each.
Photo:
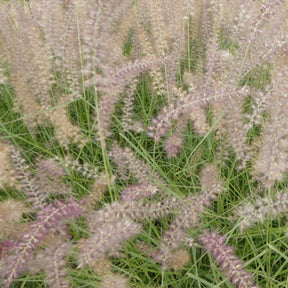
(214, 243)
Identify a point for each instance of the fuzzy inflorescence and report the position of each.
(225, 257)
(124, 92)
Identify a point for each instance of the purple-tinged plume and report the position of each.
(127, 162)
(50, 217)
(108, 237)
(136, 192)
(55, 263)
(118, 80)
(135, 210)
(27, 182)
(214, 243)
(189, 214)
(252, 213)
